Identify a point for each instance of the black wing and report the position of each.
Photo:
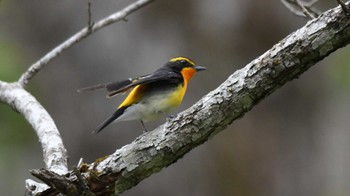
(121, 86)
(109, 86)
(160, 75)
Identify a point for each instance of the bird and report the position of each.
(153, 95)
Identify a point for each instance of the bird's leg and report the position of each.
(343, 6)
(144, 127)
(167, 116)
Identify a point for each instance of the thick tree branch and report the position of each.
(118, 16)
(54, 153)
(163, 146)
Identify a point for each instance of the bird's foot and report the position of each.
(343, 6)
(170, 117)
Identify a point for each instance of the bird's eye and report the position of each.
(183, 61)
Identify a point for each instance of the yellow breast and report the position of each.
(175, 98)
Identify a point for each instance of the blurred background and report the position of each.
(295, 142)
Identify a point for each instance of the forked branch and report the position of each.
(154, 150)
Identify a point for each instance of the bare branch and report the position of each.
(34, 188)
(59, 182)
(309, 3)
(303, 9)
(54, 152)
(292, 8)
(154, 150)
(118, 16)
(90, 22)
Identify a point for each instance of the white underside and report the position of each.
(149, 108)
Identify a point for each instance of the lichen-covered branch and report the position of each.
(157, 149)
(92, 27)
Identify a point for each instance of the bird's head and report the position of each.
(185, 66)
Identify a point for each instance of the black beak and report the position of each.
(199, 68)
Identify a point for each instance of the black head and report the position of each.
(179, 63)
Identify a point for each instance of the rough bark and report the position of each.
(157, 149)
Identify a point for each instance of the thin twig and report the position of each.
(304, 9)
(90, 22)
(310, 3)
(118, 16)
(292, 8)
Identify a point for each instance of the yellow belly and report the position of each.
(174, 99)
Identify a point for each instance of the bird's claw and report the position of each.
(170, 117)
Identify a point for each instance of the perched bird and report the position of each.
(152, 95)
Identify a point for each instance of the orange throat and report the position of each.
(187, 74)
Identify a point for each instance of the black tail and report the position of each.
(91, 88)
(109, 120)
